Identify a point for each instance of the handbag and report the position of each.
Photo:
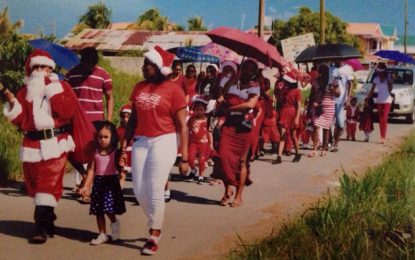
(244, 127)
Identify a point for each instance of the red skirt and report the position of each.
(233, 146)
(45, 176)
(270, 133)
(366, 123)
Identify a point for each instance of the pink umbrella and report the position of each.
(221, 52)
(247, 45)
(355, 64)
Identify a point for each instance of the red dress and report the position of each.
(233, 144)
(290, 99)
(198, 142)
(269, 128)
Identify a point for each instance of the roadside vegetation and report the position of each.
(371, 217)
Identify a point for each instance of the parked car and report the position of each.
(403, 90)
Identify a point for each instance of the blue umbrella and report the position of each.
(193, 54)
(62, 56)
(395, 56)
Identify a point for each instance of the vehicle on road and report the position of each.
(403, 90)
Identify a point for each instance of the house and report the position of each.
(410, 44)
(370, 36)
(114, 41)
(110, 42)
(389, 37)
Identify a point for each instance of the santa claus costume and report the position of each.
(43, 110)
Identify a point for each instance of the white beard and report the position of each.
(36, 93)
(36, 86)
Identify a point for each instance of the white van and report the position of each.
(403, 89)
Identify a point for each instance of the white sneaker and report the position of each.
(115, 230)
(101, 239)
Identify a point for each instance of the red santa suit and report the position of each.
(43, 109)
(352, 114)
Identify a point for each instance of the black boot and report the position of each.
(39, 235)
(49, 221)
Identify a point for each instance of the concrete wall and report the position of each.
(130, 65)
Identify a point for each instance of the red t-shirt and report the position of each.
(198, 130)
(90, 90)
(156, 106)
(182, 81)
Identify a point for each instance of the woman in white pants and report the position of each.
(157, 105)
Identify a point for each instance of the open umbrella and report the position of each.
(395, 56)
(247, 45)
(221, 52)
(355, 64)
(62, 56)
(193, 54)
(328, 52)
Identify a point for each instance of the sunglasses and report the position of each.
(35, 67)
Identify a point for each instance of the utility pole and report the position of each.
(322, 23)
(406, 27)
(261, 14)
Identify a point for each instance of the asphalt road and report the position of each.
(196, 227)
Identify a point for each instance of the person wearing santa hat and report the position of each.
(125, 113)
(290, 109)
(157, 105)
(43, 109)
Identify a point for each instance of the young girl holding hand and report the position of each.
(106, 196)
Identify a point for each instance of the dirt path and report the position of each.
(195, 226)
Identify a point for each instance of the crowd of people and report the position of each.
(223, 117)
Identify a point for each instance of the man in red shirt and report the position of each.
(91, 83)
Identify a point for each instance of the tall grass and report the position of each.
(10, 138)
(371, 218)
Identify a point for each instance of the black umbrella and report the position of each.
(328, 52)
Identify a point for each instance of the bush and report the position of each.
(371, 218)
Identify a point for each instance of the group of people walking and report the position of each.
(226, 114)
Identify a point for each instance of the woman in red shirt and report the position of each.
(157, 104)
(240, 100)
(290, 104)
(191, 82)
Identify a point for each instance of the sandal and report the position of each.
(225, 199)
(312, 154)
(297, 157)
(323, 153)
(85, 199)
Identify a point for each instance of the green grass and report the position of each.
(10, 138)
(370, 218)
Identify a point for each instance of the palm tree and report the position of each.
(6, 25)
(196, 24)
(152, 20)
(97, 17)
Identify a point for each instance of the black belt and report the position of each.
(48, 133)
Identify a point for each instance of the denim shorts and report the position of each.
(340, 115)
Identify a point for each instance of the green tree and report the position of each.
(308, 21)
(14, 49)
(6, 26)
(98, 16)
(196, 23)
(152, 20)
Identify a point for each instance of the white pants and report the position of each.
(152, 159)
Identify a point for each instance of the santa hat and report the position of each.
(199, 99)
(38, 57)
(125, 109)
(229, 63)
(290, 77)
(161, 58)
